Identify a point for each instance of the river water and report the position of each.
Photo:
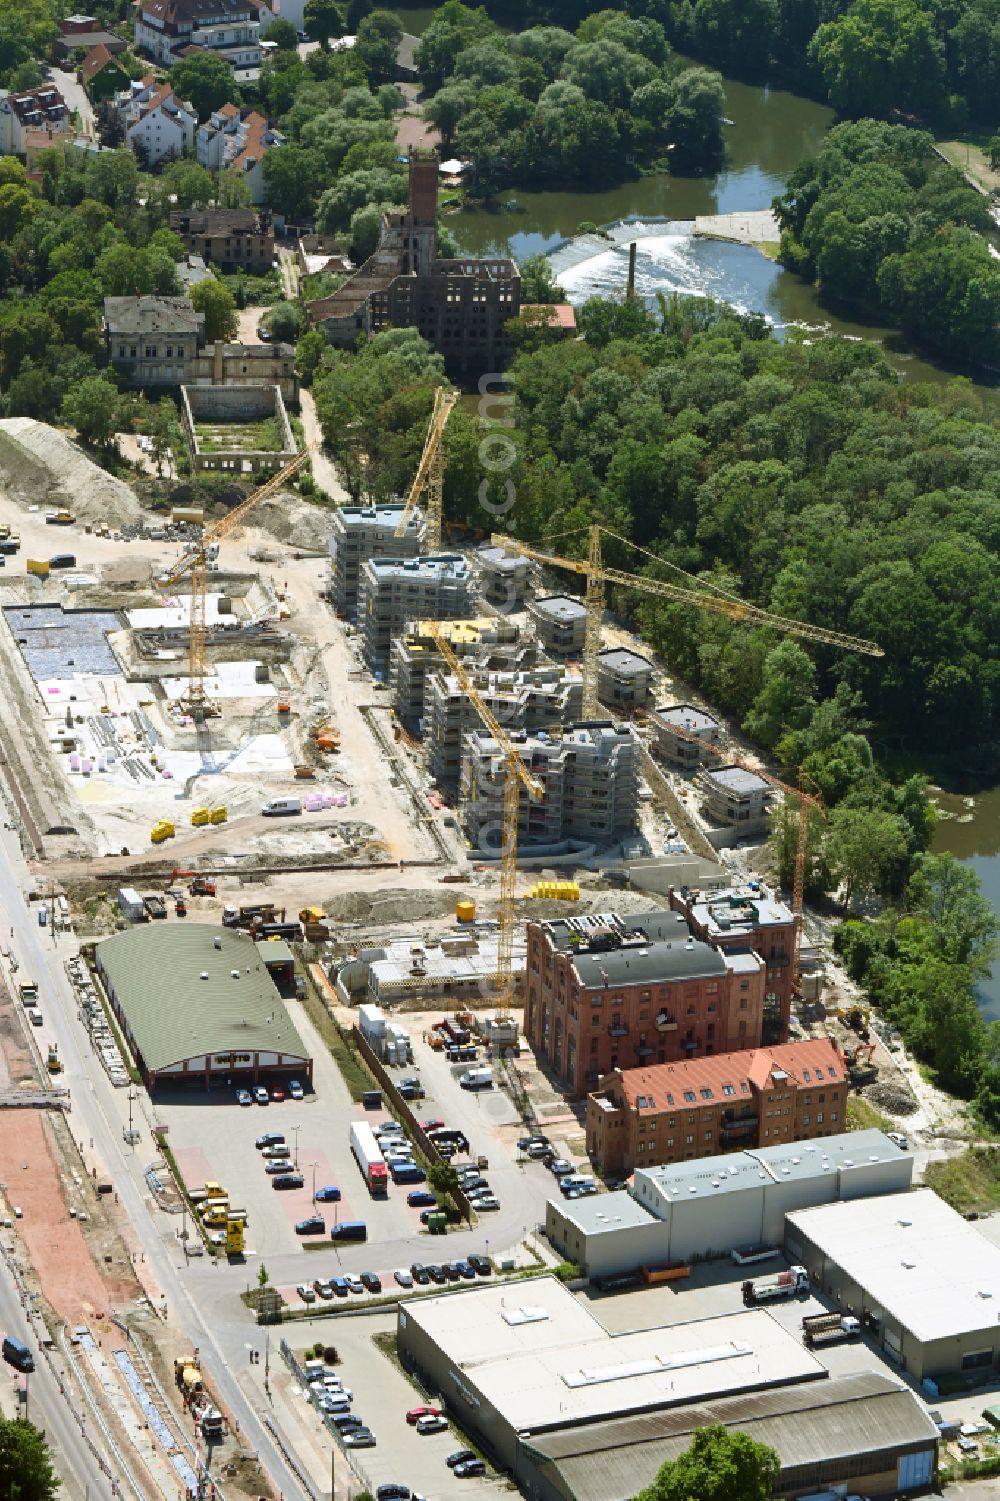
(771, 132)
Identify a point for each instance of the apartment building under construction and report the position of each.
(543, 697)
(414, 658)
(363, 532)
(392, 591)
(590, 778)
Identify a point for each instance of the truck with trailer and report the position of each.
(781, 1285)
(368, 1156)
(829, 1329)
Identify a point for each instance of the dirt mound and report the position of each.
(296, 522)
(896, 1099)
(41, 466)
(381, 908)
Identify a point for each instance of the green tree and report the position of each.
(293, 176)
(112, 177)
(449, 106)
(736, 35)
(718, 1466)
(340, 203)
(263, 1276)
(946, 292)
(163, 431)
(538, 284)
(454, 28)
(948, 895)
(880, 55)
(233, 190)
(309, 353)
(366, 230)
(216, 301)
(284, 319)
(378, 39)
(188, 183)
(787, 697)
(205, 80)
(282, 34)
(323, 20)
(96, 410)
(26, 1472)
(443, 1179)
(867, 850)
(693, 120)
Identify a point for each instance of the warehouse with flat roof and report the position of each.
(864, 1433)
(924, 1283)
(516, 1362)
(197, 1006)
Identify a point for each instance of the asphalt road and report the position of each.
(98, 1117)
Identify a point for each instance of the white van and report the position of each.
(477, 1078)
(279, 807)
(576, 1180)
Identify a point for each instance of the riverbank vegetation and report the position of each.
(969, 1182)
(880, 222)
(939, 64)
(546, 106)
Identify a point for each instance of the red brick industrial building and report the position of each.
(752, 917)
(610, 992)
(674, 1112)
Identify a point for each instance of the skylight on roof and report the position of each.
(728, 1089)
(690, 1096)
(706, 1094)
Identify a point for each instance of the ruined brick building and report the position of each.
(460, 306)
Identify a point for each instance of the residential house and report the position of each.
(160, 341)
(102, 75)
(167, 29)
(623, 991)
(157, 125)
(675, 1112)
(152, 340)
(238, 140)
(228, 237)
(26, 110)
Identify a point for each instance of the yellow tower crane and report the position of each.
(691, 592)
(516, 776)
(430, 471)
(193, 564)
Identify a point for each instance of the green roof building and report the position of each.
(197, 1005)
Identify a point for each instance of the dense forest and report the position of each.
(938, 61)
(879, 221)
(547, 106)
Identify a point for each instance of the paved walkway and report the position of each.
(751, 227)
(325, 471)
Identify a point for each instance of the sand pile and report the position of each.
(381, 908)
(41, 466)
(296, 522)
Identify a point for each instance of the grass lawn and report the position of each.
(969, 1182)
(970, 158)
(863, 1116)
(247, 437)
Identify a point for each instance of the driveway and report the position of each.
(250, 318)
(325, 471)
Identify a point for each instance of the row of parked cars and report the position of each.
(572, 1185)
(328, 1288)
(333, 1399)
(261, 1096)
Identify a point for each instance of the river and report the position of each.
(771, 132)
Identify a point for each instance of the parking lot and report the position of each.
(382, 1395)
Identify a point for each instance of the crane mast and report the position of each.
(516, 776)
(193, 564)
(430, 471)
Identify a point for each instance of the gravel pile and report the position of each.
(894, 1099)
(41, 466)
(296, 522)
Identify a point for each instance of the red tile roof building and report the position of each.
(675, 1112)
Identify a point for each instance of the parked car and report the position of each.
(460, 1457)
(314, 1225)
(361, 1438)
(372, 1281)
(465, 1270)
(295, 1090)
(328, 1195)
(420, 1274)
(468, 1181)
(334, 1403)
(269, 1139)
(487, 1203)
(559, 1167)
(244, 1097)
(451, 1271)
(416, 1413)
(354, 1284)
(347, 1422)
(436, 1274)
(340, 1286)
(264, 333)
(324, 1288)
(288, 1180)
(432, 1425)
(393, 1491)
(420, 1198)
(261, 1095)
(526, 1142)
(403, 1277)
(278, 1165)
(538, 1150)
(278, 1149)
(432, 1125)
(480, 1264)
(469, 1469)
(277, 1094)
(306, 1293)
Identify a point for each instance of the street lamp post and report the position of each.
(314, 1166)
(295, 1132)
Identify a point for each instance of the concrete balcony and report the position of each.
(617, 1029)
